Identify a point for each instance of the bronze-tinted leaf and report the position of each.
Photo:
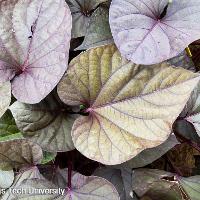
(19, 153)
(130, 107)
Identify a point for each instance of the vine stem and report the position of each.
(69, 175)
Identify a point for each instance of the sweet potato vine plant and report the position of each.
(121, 120)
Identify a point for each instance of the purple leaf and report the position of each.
(34, 45)
(145, 35)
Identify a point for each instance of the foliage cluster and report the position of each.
(100, 99)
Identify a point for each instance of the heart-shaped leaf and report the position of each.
(149, 32)
(81, 13)
(46, 124)
(130, 107)
(150, 155)
(6, 178)
(19, 153)
(5, 97)
(84, 188)
(34, 44)
(98, 33)
(31, 173)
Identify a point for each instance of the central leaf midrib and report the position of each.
(144, 95)
(25, 64)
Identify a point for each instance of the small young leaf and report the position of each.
(5, 97)
(98, 33)
(8, 126)
(81, 13)
(34, 44)
(19, 153)
(45, 124)
(130, 107)
(145, 37)
(47, 157)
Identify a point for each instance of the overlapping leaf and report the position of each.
(185, 125)
(191, 113)
(187, 130)
(34, 45)
(81, 13)
(46, 124)
(5, 97)
(98, 33)
(150, 155)
(183, 60)
(120, 178)
(157, 185)
(83, 187)
(130, 107)
(19, 153)
(146, 35)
